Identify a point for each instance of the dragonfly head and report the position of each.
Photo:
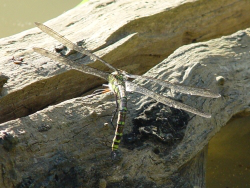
(121, 74)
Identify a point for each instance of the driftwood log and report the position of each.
(67, 144)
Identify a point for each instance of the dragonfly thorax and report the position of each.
(117, 81)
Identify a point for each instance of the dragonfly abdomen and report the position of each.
(120, 123)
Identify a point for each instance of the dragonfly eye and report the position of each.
(115, 73)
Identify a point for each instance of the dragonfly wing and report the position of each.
(70, 44)
(64, 60)
(180, 88)
(169, 102)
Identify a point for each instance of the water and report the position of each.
(228, 164)
(20, 15)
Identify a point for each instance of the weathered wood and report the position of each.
(3, 80)
(194, 172)
(131, 35)
(69, 140)
(68, 144)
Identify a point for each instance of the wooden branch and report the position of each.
(68, 144)
(131, 35)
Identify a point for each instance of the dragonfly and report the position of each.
(119, 83)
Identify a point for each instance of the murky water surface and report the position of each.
(20, 15)
(228, 164)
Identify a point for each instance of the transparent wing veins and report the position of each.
(169, 102)
(180, 88)
(64, 60)
(70, 44)
(129, 85)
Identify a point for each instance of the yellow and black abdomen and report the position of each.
(117, 85)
